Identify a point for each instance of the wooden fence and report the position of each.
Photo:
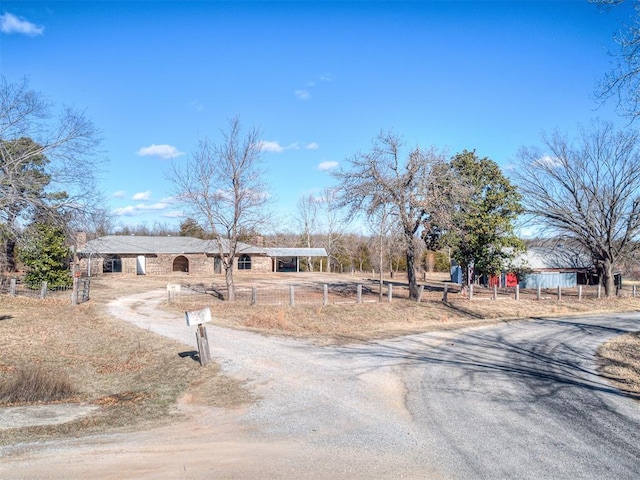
(341, 293)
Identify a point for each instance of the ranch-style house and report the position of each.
(155, 255)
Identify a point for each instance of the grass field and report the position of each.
(136, 377)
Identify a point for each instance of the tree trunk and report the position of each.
(411, 273)
(608, 279)
(228, 276)
(11, 255)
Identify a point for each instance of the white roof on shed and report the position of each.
(557, 258)
(296, 252)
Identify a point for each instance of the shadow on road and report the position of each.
(544, 361)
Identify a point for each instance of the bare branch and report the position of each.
(403, 184)
(222, 185)
(588, 190)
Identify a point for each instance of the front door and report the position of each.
(141, 265)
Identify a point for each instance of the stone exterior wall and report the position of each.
(162, 264)
(258, 265)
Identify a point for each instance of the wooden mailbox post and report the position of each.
(198, 317)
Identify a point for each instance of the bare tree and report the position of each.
(587, 190)
(332, 225)
(408, 185)
(308, 220)
(48, 163)
(378, 223)
(222, 186)
(623, 81)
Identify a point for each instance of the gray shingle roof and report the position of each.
(141, 245)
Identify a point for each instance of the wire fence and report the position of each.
(370, 292)
(300, 294)
(77, 292)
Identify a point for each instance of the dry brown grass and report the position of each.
(135, 377)
(35, 384)
(619, 361)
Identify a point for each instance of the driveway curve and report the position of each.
(516, 400)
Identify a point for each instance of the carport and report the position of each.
(288, 259)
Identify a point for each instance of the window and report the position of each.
(244, 262)
(112, 264)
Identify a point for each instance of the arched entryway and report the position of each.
(181, 264)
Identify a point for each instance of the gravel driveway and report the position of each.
(517, 400)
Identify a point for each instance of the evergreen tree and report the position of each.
(46, 256)
(191, 228)
(481, 233)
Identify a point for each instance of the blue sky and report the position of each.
(320, 79)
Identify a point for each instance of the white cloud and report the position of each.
(9, 24)
(548, 162)
(174, 214)
(197, 105)
(133, 210)
(328, 165)
(275, 147)
(312, 146)
(302, 94)
(129, 211)
(119, 194)
(305, 94)
(268, 146)
(142, 195)
(154, 206)
(163, 151)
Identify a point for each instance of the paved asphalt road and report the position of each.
(521, 400)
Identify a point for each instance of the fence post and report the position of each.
(495, 292)
(292, 299)
(43, 290)
(12, 287)
(445, 293)
(635, 291)
(420, 292)
(471, 291)
(539, 296)
(359, 294)
(599, 291)
(74, 292)
(579, 292)
(517, 292)
(325, 294)
(254, 295)
(559, 293)
(390, 290)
